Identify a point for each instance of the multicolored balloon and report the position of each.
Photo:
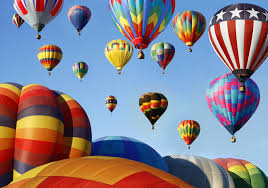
(80, 69)
(111, 103)
(38, 13)
(92, 172)
(230, 106)
(244, 173)
(119, 52)
(79, 16)
(17, 20)
(49, 56)
(162, 53)
(189, 131)
(141, 21)
(189, 26)
(38, 126)
(153, 105)
(238, 34)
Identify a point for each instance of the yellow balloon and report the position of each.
(119, 52)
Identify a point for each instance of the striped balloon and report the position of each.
(17, 20)
(189, 131)
(98, 172)
(189, 26)
(162, 53)
(143, 20)
(111, 103)
(244, 173)
(153, 105)
(49, 56)
(79, 16)
(80, 69)
(230, 106)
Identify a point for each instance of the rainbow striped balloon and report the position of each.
(49, 56)
(189, 131)
(17, 20)
(111, 103)
(80, 69)
(189, 26)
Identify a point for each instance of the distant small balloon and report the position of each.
(17, 20)
(80, 69)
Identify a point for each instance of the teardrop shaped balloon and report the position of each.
(189, 131)
(80, 69)
(79, 16)
(153, 105)
(111, 103)
(238, 34)
(49, 56)
(230, 106)
(141, 21)
(17, 20)
(119, 52)
(162, 53)
(189, 26)
(38, 13)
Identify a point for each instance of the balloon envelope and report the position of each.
(111, 103)
(80, 69)
(189, 131)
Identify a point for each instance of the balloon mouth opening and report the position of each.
(242, 74)
(189, 43)
(141, 43)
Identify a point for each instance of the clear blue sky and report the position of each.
(184, 84)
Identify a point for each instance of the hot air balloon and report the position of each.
(80, 69)
(244, 173)
(153, 105)
(119, 52)
(189, 131)
(49, 56)
(38, 13)
(98, 172)
(162, 53)
(189, 27)
(141, 21)
(128, 148)
(111, 103)
(238, 34)
(230, 106)
(200, 172)
(38, 126)
(79, 16)
(17, 20)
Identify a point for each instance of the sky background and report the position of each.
(184, 84)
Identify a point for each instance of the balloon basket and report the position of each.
(119, 72)
(152, 127)
(141, 55)
(188, 147)
(163, 72)
(233, 139)
(49, 74)
(190, 50)
(38, 36)
(242, 87)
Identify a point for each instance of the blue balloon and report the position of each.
(128, 148)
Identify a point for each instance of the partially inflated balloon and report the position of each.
(189, 131)
(189, 27)
(153, 105)
(111, 103)
(80, 69)
(79, 16)
(17, 20)
(230, 106)
(141, 21)
(38, 13)
(162, 53)
(119, 52)
(244, 173)
(49, 56)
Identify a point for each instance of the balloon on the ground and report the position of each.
(141, 21)
(111, 103)
(199, 171)
(153, 105)
(244, 173)
(129, 148)
(189, 26)
(119, 52)
(189, 131)
(230, 106)
(49, 56)
(79, 16)
(38, 126)
(80, 69)
(162, 53)
(238, 34)
(98, 172)
(38, 13)
(17, 20)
